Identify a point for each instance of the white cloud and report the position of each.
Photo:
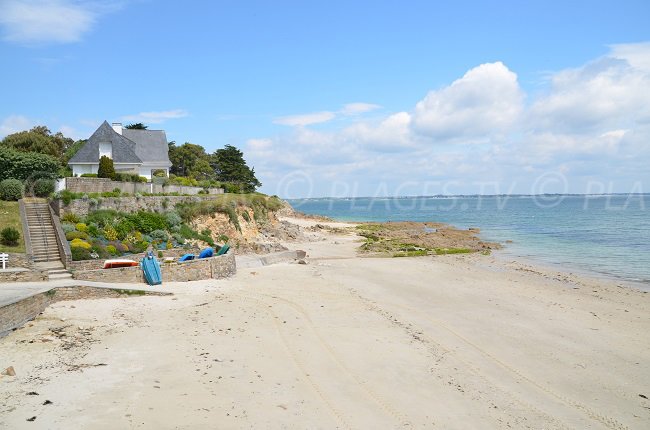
(358, 108)
(481, 134)
(391, 134)
(259, 144)
(48, 21)
(305, 119)
(606, 93)
(15, 123)
(156, 117)
(486, 100)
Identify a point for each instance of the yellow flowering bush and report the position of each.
(80, 243)
(110, 233)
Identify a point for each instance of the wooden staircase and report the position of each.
(42, 236)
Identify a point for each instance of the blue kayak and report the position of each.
(151, 269)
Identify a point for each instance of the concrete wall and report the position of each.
(195, 270)
(82, 207)
(102, 185)
(14, 315)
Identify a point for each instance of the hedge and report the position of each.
(25, 165)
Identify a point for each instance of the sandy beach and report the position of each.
(451, 342)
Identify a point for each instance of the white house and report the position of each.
(132, 151)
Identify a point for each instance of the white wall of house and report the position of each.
(146, 169)
(80, 169)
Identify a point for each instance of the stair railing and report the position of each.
(44, 233)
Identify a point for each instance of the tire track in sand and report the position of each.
(399, 417)
(338, 415)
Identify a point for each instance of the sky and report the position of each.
(352, 98)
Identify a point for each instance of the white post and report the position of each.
(4, 258)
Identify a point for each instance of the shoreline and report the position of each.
(449, 341)
(507, 252)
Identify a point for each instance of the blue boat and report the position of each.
(151, 269)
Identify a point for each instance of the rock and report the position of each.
(302, 262)
(47, 402)
(9, 371)
(32, 418)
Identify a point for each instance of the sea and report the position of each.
(606, 235)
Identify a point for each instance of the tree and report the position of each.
(185, 157)
(230, 166)
(40, 140)
(136, 126)
(72, 149)
(24, 165)
(106, 168)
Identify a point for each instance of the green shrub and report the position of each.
(160, 235)
(123, 228)
(71, 218)
(106, 168)
(246, 216)
(93, 230)
(42, 187)
(178, 238)
(67, 227)
(223, 238)
(138, 247)
(23, 165)
(173, 219)
(89, 175)
(111, 250)
(9, 236)
(146, 222)
(80, 253)
(81, 227)
(66, 196)
(76, 235)
(11, 190)
(99, 249)
(102, 217)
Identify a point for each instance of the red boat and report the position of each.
(112, 264)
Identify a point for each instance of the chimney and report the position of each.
(117, 126)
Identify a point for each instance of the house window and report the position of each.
(105, 149)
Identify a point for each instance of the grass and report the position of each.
(130, 292)
(10, 217)
(443, 251)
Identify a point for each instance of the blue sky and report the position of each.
(352, 98)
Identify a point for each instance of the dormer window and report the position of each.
(105, 149)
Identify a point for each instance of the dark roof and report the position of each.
(124, 150)
(150, 145)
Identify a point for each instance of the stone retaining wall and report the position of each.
(21, 274)
(99, 264)
(16, 314)
(17, 260)
(195, 270)
(82, 207)
(104, 185)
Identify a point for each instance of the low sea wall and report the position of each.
(99, 263)
(219, 267)
(17, 260)
(103, 185)
(21, 274)
(82, 207)
(15, 314)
